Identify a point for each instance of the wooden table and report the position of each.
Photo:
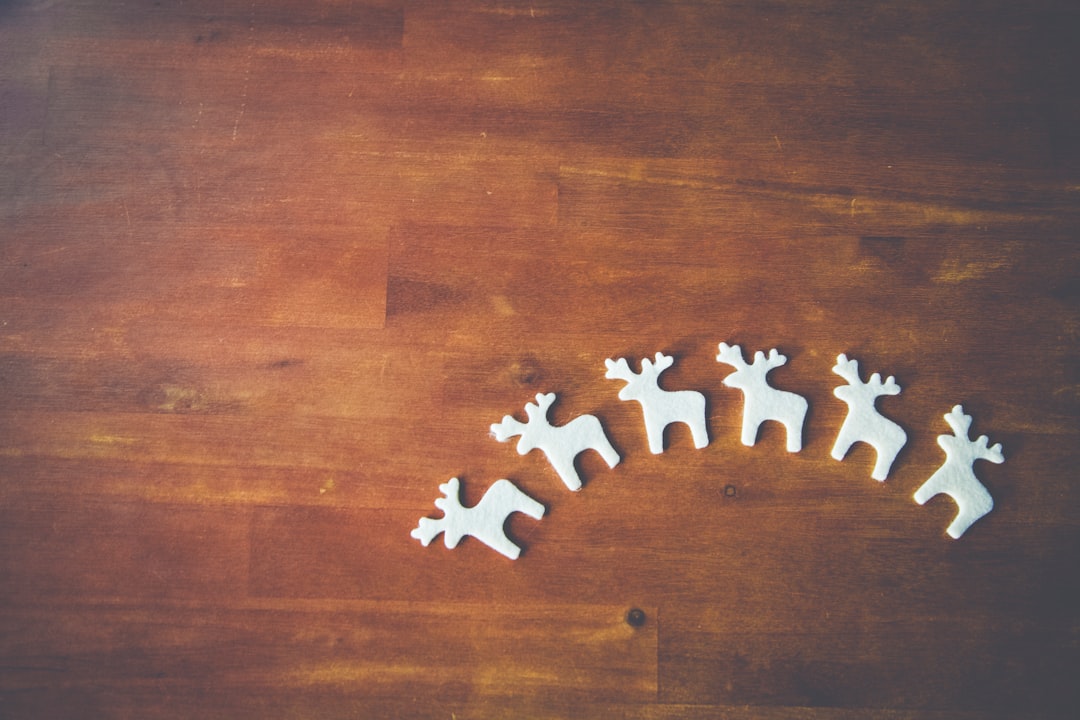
(270, 270)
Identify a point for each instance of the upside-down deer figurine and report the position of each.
(761, 401)
(560, 443)
(956, 477)
(484, 521)
(660, 407)
(863, 422)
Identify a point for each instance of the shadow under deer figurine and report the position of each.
(560, 443)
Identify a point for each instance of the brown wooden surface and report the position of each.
(269, 270)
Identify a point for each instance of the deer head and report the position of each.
(537, 414)
(849, 370)
(636, 383)
(748, 375)
(732, 355)
(429, 528)
(961, 425)
(620, 370)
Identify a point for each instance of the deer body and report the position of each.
(956, 477)
(484, 521)
(561, 444)
(761, 401)
(660, 407)
(863, 422)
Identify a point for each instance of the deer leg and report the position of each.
(593, 438)
(891, 446)
(655, 433)
(506, 498)
(530, 507)
(932, 487)
(502, 499)
(749, 431)
(566, 470)
(971, 498)
(498, 542)
(974, 502)
(700, 433)
(885, 457)
(844, 441)
(611, 457)
(794, 435)
(964, 519)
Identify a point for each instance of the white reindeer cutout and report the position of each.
(484, 521)
(863, 422)
(660, 407)
(561, 444)
(956, 477)
(761, 401)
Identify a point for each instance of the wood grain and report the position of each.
(269, 271)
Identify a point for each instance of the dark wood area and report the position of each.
(269, 271)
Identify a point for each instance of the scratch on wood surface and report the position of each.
(175, 398)
(953, 270)
(347, 673)
(502, 305)
(511, 12)
(824, 199)
(112, 440)
(247, 72)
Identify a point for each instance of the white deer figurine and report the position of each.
(660, 407)
(863, 422)
(484, 521)
(956, 477)
(761, 401)
(561, 444)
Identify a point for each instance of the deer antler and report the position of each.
(775, 359)
(959, 422)
(508, 428)
(889, 387)
(429, 528)
(731, 355)
(663, 362)
(618, 370)
(544, 402)
(847, 369)
(993, 453)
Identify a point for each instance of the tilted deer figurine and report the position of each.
(761, 401)
(660, 407)
(956, 477)
(863, 422)
(561, 444)
(484, 521)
